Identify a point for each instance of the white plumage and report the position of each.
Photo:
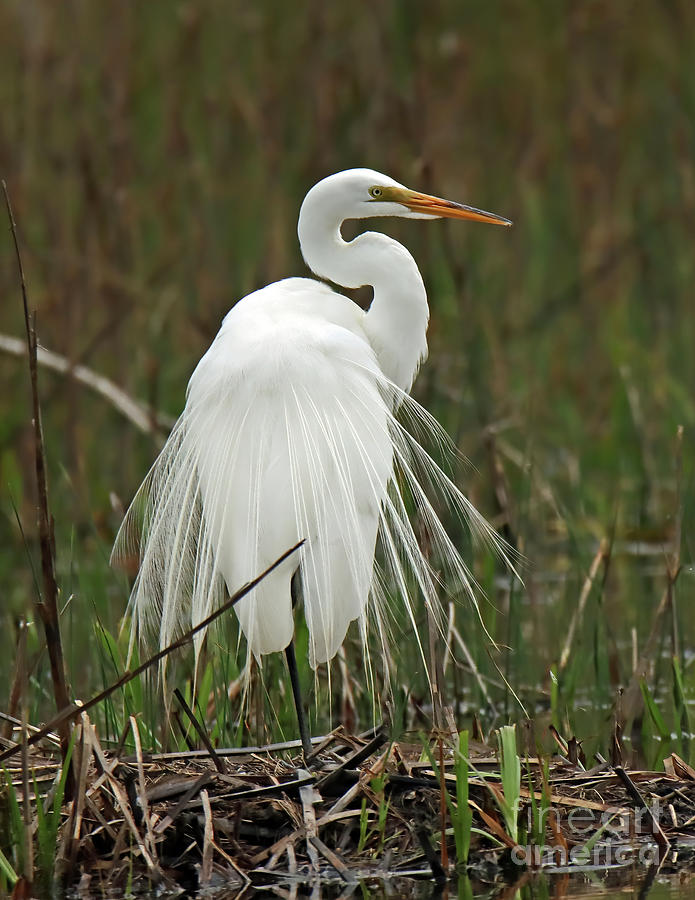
(289, 433)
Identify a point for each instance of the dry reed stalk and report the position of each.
(173, 812)
(123, 803)
(46, 606)
(202, 734)
(245, 880)
(142, 791)
(82, 757)
(633, 791)
(508, 686)
(332, 857)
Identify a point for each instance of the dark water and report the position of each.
(562, 886)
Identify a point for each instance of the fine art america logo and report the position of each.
(590, 838)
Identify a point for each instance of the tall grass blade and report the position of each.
(7, 870)
(460, 812)
(463, 819)
(510, 766)
(653, 710)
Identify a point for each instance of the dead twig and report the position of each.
(423, 837)
(82, 757)
(174, 811)
(634, 793)
(121, 798)
(189, 755)
(46, 606)
(334, 859)
(219, 763)
(142, 791)
(351, 761)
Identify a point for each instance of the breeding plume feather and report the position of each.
(297, 426)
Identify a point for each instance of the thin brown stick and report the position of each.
(186, 755)
(438, 873)
(46, 606)
(142, 786)
(174, 810)
(73, 710)
(634, 793)
(122, 800)
(353, 760)
(16, 723)
(82, 757)
(219, 763)
(246, 881)
(334, 859)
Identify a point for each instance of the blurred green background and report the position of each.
(156, 155)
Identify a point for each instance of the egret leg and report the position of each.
(294, 676)
(296, 693)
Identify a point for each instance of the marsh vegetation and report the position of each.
(156, 156)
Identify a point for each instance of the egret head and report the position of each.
(364, 193)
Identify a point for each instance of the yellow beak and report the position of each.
(435, 206)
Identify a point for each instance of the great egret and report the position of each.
(289, 433)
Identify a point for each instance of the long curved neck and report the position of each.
(396, 322)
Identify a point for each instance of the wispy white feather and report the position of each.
(298, 426)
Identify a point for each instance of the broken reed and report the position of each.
(46, 605)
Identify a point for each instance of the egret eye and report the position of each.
(375, 192)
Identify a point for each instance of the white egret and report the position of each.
(289, 432)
